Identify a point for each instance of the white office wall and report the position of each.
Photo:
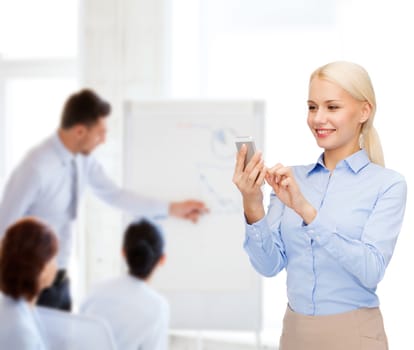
(38, 49)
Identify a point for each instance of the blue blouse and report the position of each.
(334, 263)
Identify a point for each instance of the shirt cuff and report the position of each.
(319, 231)
(162, 210)
(159, 210)
(258, 231)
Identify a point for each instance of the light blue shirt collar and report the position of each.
(355, 162)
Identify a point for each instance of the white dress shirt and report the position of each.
(19, 326)
(137, 314)
(42, 186)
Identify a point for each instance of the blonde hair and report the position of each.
(355, 80)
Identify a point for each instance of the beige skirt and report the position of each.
(361, 329)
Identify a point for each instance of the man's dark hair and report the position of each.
(84, 107)
(143, 246)
(27, 247)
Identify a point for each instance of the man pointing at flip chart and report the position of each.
(51, 178)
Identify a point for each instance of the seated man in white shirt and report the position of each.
(137, 314)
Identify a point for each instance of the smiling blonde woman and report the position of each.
(332, 225)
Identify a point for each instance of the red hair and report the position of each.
(27, 247)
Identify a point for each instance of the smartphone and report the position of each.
(251, 147)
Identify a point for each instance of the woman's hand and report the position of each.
(283, 182)
(249, 180)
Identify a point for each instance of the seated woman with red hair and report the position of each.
(27, 266)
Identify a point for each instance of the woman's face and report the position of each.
(48, 274)
(335, 117)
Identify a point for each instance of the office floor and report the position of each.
(209, 342)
